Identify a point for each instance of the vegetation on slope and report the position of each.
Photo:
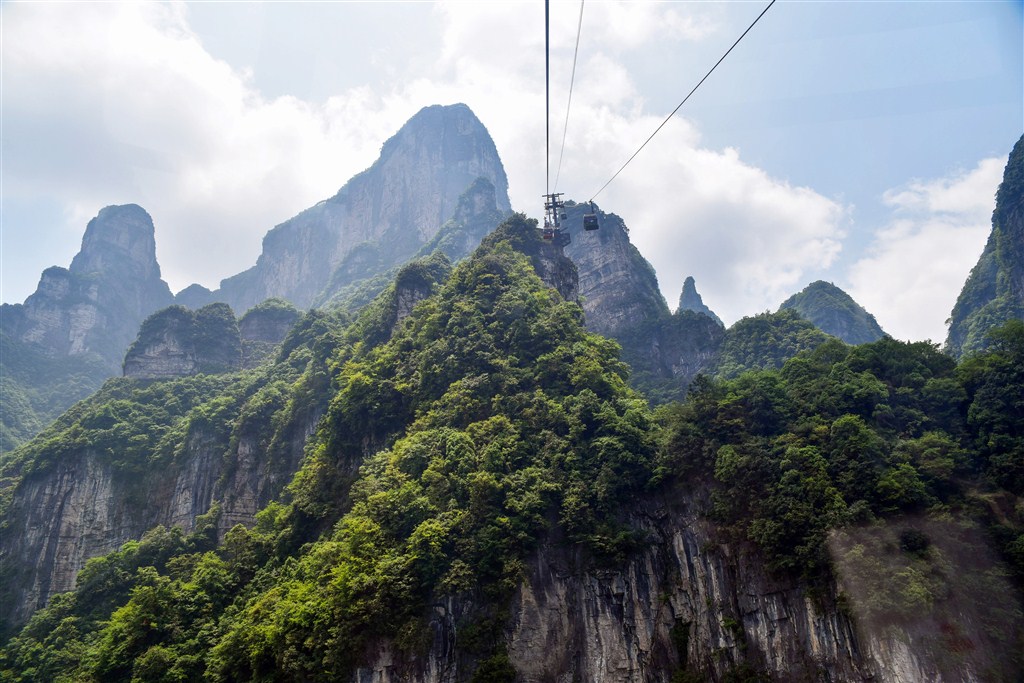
(835, 312)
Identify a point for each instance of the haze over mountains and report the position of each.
(448, 425)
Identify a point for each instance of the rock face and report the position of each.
(96, 305)
(685, 607)
(834, 311)
(84, 507)
(690, 300)
(71, 334)
(618, 285)
(176, 342)
(380, 218)
(994, 291)
(622, 300)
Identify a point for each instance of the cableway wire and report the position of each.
(684, 99)
(568, 107)
(547, 97)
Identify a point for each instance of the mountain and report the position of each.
(835, 312)
(68, 336)
(378, 220)
(443, 496)
(622, 300)
(690, 300)
(994, 291)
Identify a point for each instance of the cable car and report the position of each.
(590, 219)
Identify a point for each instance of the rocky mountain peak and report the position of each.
(690, 300)
(835, 312)
(387, 213)
(120, 238)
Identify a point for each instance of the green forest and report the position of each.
(490, 421)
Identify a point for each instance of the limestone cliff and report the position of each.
(688, 606)
(835, 312)
(96, 305)
(380, 218)
(994, 291)
(71, 334)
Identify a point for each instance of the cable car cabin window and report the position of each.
(590, 221)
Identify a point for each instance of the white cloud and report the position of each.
(917, 264)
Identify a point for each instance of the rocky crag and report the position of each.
(994, 292)
(835, 312)
(378, 220)
(691, 300)
(621, 299)
(71, 334)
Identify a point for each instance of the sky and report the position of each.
(855, 142)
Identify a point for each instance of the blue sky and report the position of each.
(857, 142)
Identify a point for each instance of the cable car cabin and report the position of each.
(548, 233)
(590, 221)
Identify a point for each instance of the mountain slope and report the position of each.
(994, 291)
(483, 484)
(834, 312)
(622, 300)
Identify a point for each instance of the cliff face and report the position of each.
(994, 291)
(85, 507)
(833, 311)
(96, 305)
(685, 607)
(380, 218)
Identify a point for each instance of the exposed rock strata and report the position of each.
(177, 342)
(686, 603)
(83, 507)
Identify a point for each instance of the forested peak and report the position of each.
(834, 311)
(767, 340)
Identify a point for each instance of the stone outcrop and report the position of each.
(690, 300)
(994, 291)
(835, 312)
(380, 218)
(176, 342)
